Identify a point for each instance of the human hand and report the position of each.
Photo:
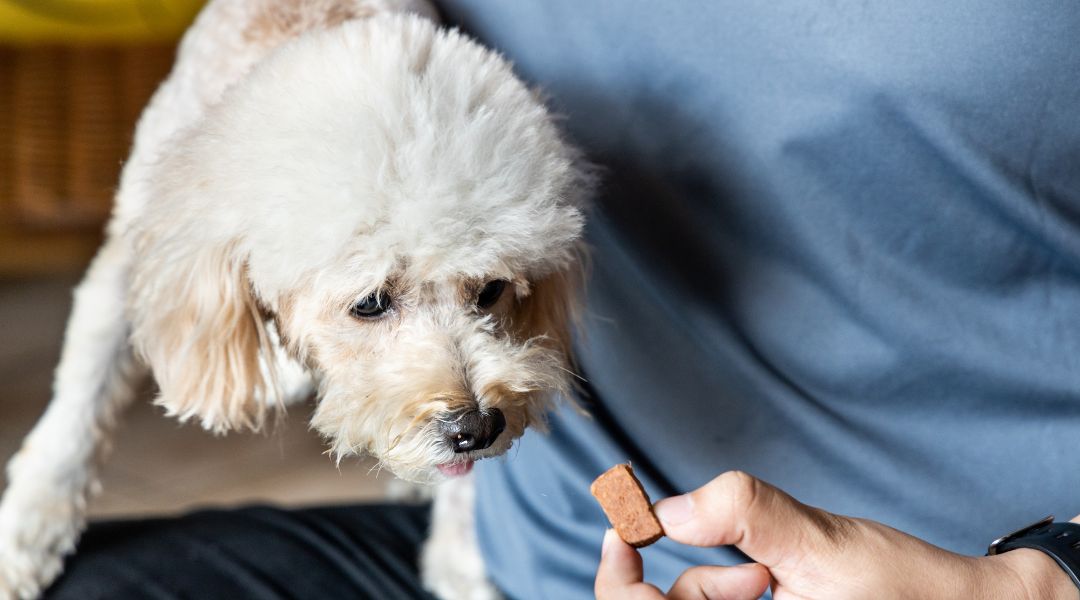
(809, 554)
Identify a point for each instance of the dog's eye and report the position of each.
(373, 306)
(491, 293)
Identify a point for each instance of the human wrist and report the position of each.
(1027, 574)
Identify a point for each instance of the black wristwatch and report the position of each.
(1059, 540)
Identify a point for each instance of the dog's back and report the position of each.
(227, 39)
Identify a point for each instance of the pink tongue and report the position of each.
(456, 469)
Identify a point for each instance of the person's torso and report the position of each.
(837, 246)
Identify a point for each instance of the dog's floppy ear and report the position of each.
(551, 311)
(198, 325)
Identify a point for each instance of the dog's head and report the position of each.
(391, 206)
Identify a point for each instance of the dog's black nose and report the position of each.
(473, 430)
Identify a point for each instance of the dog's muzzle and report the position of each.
(473, 430)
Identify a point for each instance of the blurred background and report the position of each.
(74, 76)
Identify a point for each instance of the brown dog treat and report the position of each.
(627, 506)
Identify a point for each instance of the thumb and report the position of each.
(768, 525)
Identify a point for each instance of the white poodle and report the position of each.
(332, 195)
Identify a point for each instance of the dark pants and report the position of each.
(364, 551)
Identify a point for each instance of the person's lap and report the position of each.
(362, 551)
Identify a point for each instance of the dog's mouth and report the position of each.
(456, 469)
(463, 463)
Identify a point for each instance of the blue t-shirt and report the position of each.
(838, 247)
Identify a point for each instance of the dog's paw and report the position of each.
(452, 569)
(458, 583)
(36, 531)
(451, 565)
(23, 577)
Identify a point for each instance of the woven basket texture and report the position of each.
(67, 114)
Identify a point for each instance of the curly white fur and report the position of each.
(302, 155)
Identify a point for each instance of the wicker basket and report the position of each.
(67, 114)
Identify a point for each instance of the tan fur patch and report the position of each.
(550, 312)
(275, 21)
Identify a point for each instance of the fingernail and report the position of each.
(609, 537)
(675, 510)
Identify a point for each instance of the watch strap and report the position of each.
(1061, 541)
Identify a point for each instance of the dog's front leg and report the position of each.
(43, 510)
(450, 564)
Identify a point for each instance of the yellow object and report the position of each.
(105, 21)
